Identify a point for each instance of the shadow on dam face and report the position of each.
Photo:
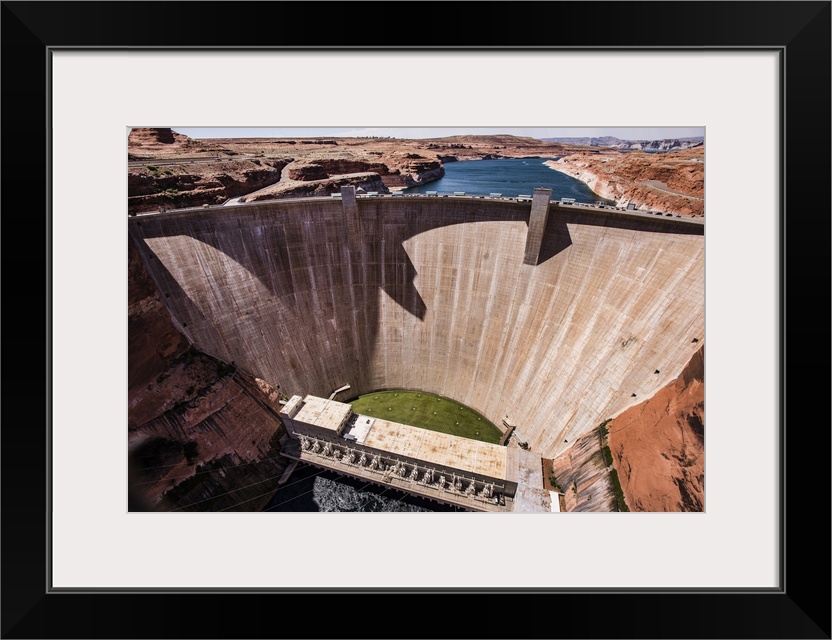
(437, 298)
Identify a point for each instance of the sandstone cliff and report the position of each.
(191, 184)
(399, 170)
(163, 143)
(671, 182)
(648, 458)
(201, 435)
(422, 171)
(658, 445)
(330, 167)
(155, 140)
(668, 144)
(153, 340)
(582, 474)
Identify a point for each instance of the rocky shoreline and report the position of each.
(170, 170)
(634, 178)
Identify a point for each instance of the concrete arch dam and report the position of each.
(434, 294)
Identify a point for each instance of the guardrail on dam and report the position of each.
(437, 294)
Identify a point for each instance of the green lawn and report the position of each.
(427, 411)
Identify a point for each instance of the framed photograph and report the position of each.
(752, 77)
(421, 319)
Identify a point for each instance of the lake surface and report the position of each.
(510, 177)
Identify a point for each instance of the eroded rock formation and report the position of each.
(658, 445)
(339, 166)
(159, 139)
(306, 171)
(404, 171)
(422, 171)
(192, 184)
(583, 475)
(667, 144)
(669, 182)
(153, 340)
(201, 435)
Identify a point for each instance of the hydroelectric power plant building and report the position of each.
(551, 316)
(473, 475)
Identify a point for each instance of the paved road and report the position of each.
(696, 220)
(661, 186)
(163, 163)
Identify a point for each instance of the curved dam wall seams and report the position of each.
(438, 299)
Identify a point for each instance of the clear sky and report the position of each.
(625, 133)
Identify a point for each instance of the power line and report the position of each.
(224, 494)
(255, 498)
(161, 466)
(405, 494)
(377, 495)
(289, 500)
(275, 492)
(311, 490)
(196, 473)
(246, 487)
(366, 502)
(317, 473)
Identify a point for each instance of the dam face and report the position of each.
(436, 296)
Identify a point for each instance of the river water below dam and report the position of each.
(509, 177)
(313, 489)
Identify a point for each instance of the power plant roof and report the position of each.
(438, 448)
(327, 414)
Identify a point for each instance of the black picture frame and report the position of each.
(799, 608)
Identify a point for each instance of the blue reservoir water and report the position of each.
(510, 177)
